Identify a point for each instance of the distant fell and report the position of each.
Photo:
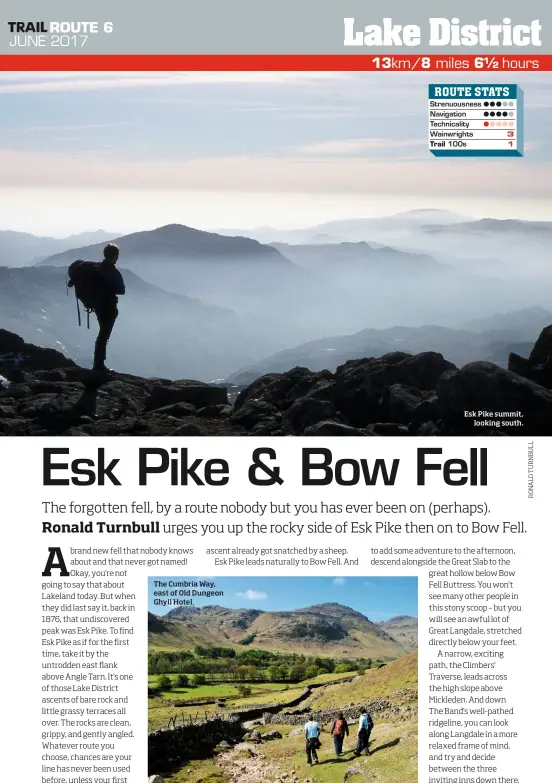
(173, 241)
(403, 629)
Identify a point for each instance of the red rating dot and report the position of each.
(486, 124)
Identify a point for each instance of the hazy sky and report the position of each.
(378, 598)
(128, 151)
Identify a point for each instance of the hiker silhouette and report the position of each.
(98, 284)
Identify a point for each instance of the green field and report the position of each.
(160, 713)
(322, 678)
(269, 698)
(400, 675)
(222, 690)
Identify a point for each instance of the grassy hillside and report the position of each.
(399, 675)
(393, 746)
(394, 759)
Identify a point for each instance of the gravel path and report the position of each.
(244, 764)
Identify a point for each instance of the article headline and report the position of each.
(318, 468)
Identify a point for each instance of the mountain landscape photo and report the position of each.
(241, 321)
(231, 686)
(290, 277)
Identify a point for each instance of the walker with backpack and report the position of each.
(84, 277)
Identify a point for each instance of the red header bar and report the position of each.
(275, 62)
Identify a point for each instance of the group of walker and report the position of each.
(339, 730)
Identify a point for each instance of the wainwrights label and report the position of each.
(475, 120)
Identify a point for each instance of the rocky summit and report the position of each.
(42, 392)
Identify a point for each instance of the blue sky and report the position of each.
(378, 598)
(127, 151)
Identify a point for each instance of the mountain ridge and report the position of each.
(330, 627)
(340, 230)
(20, 248)
(165, 240)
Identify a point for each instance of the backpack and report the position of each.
(88, 284)
(367, 722)
(339, 727)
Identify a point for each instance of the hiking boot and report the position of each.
(102, 369)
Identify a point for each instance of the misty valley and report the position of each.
(213, 306)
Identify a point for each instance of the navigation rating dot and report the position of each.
(466, 120)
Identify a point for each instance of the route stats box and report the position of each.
(475, 120)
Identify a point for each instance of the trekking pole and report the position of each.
(78, 307)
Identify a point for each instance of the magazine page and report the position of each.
(236, 240)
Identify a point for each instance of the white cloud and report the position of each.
(339, 581)
(253, 595)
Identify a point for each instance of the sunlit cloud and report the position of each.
(275, 174)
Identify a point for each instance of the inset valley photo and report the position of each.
(282, 679)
